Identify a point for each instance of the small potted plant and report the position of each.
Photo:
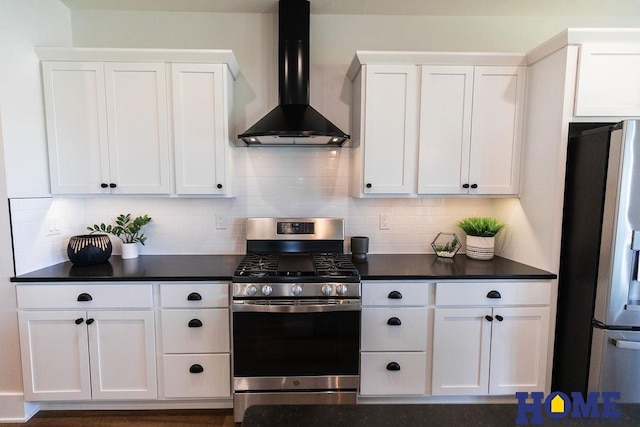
(128, 230)
(481, 232)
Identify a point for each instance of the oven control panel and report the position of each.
(296, 228)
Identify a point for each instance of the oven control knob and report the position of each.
(326, 289)
(266, 290)
(251, 290)
(341, 289)
(296, 290)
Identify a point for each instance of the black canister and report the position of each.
(359, 247)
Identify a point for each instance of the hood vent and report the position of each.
(294, 121)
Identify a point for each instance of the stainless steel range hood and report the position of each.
(293, 121)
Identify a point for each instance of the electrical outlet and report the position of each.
(221, 221)
(53, 226)
(384, 222)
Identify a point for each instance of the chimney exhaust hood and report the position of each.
(293, 122)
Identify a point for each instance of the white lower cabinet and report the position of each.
(494, 341)
(195, 340)
(393, 358)
(96, 353)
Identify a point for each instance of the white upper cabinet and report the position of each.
(107, 127)
(385, 115)
(471, 123)
(108, 120)
(449, 129)
(608, 81)
(202, 99)
(137, 127)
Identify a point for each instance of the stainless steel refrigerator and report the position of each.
(597, 342)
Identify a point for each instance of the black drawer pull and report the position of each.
(395, 295)
(194, 296)
(113, 185)
(104, 185)
(474, 185)
(79, 320)
(84, 297)
(195, 323)
(369, 185)
(393, 366)
(394, 321)
(494, 295)
(465, 185)
(219, 185)
(90, 321)
(489, 318)
(196, 369)
(499, 318)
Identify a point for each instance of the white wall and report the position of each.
(23, 25)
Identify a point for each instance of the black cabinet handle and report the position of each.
(499, 318)
(84, 297)
(474, 185)
(112, 185)
(195, 323)
(494, 295)
(90, 321)
(395, 295)
(79, 320)
(194, 296)
(196, 369)
(104, 185)
(219, 185)
(369, 185)
(393, 366)
(465, 185)
(489, 318)
(394, 321)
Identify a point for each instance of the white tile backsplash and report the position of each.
(281, 182)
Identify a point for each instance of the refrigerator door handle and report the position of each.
(599, 325)
(631, 345)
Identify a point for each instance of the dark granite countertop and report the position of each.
(405, 415)
(143, 268)
(430, 266)
(221, 267)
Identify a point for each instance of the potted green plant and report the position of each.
(128, 230)
(481, 232)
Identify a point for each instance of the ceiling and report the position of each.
(595, 8)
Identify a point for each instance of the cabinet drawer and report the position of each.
(195, 331)
(505, 293)
(92, 296)
(405, 293)
(377, 379)
(194, 295)
(212, 380)
(381, 332)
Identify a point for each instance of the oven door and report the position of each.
(289, 339)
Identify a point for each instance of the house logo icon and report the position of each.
(535, 409)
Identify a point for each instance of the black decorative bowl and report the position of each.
(89, 249)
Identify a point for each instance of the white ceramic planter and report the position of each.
(480, 247)
(129, 250)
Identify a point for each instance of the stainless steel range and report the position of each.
(296, 315)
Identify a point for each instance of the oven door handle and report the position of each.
(296, 307)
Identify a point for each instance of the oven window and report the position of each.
(296, 344)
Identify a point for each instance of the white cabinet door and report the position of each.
(390, 129)
(122, 349)
(497, 126)
(55, 357)
(137, 125)
(519, 349)
(608, 80)
(76, 127)
(200, 100)
(445, 129)
(461, 351)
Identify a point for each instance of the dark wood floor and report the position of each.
(173, 418)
